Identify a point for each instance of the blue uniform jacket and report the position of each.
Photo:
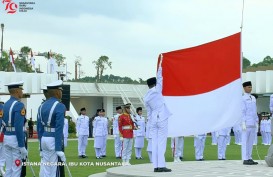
(17, 120)
(57, 121)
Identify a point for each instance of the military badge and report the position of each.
(1, 113)
(23, 112)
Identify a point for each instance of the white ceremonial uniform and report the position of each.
(271, 104)
(103, 150)
(222, 142)
(158, 114)
(199, 144)
(250, 119)
(237, 129)
(228, 137)
(82, 127)
(262, 130)
(268, 132)
(139, 135)
(99, 131)
(177, 145)
(65, 131)
(149, 139)
(213, 138)
(255, 142)
(118, 143)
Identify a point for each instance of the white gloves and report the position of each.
(77, 134)
(41, 154)
(61, 155)
(121, 138)
(244, 126)
(115, 136)
(217, 134)
(23, 152)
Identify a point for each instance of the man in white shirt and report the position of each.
(82, 127)
(118, 143)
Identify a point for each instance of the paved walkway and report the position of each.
(228, 168)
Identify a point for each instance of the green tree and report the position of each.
(246, 63)
(59, 58)
(101, 65)
(267, 61)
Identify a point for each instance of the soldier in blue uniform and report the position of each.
(50, 130)
(2, 157)
(14, 136)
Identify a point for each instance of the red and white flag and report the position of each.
(202, 86)
(11, 59)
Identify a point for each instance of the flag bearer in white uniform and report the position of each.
(99, 131)
(177, 145)
(14, 136)
(82, 127)
(103, 150)
(50, 125)
(149, 139)
(158, 114)
(118, 143)
(199, 144)
(2, 156)
(222, 135)
(139, 134)
(249, 123)
(65, 131)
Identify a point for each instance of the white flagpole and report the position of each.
(241, 52)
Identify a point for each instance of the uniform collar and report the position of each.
(13, 98)
(54, 99)
(248, 94)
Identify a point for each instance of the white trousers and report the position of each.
(2, 155)
(268, 137)
(82, 143)
(65, 141)
(199, 144)
(238, 137)
(118, 144)
(104, 143)
(159, 132)
(49, 157)
(127, 145)
(222, 146)
(149, 149)
(247, 142)
(213, 138)
(12, 154)
(263, 137)
(177, 145)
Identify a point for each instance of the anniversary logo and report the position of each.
(12, 7)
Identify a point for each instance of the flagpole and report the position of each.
(241, 52)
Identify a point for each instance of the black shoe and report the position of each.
(84, 156)
(164, 169)
(80, 156)
(103, 156)
(198, 159)
(254, 163)
(137, 158)
(249, 162)
(181, 158)
(155, 169)
(118, 157)
(140, 158)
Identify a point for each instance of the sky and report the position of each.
(133, 33)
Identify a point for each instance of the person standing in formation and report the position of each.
(103, 150)
(149, 139)
(126, 127)
(118, 143)
(222, 135)
(268, 131)
(139, 134)
(2, 157)
(14, 137)
(158, 114)
(30, 128)
(199, 144)
(82, 127)
(99, 133)
(262, 130)
(177, 145)
(50, 125)
(213, 138)
(65, 131)
(249, 123)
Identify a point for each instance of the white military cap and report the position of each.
(44, 87)
(15, 85)
(1, 101)
(55, 85)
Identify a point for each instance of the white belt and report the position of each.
(127, 127)
(48, 129)
(10, 129)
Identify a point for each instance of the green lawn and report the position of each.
(233, 153)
